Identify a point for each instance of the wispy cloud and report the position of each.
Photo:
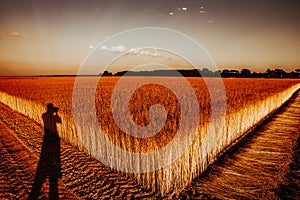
(146, 52)
(182, 8)
(12, 36)
(115, 49)
(136, 52)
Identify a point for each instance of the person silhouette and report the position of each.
(49, 164)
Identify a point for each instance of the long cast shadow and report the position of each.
(49, 163)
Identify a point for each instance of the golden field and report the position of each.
(247, 102)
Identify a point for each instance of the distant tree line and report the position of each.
(226, 73)
(269, 73)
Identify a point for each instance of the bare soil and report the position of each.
(265, 165)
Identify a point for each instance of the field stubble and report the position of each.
(248, 101)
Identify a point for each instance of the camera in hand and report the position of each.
(55, 109)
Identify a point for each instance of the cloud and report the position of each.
(12, 36)
(150, 52)
(143, 52)
(119, 48)
(136, 52)
(182, 8)
(115, 49)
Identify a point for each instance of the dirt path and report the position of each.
(17, 169)
(82, 176)
(264, 166)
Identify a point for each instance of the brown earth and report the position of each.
(264, 165)
(82, 176)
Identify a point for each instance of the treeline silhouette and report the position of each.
(226, 73)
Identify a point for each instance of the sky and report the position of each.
(39, 37)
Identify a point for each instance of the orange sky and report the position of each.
(54, 37)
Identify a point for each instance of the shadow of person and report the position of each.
(49, 163)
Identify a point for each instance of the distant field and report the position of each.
(247, 102)
(58, 90)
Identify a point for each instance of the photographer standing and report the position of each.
(49, 164)
(51, 118)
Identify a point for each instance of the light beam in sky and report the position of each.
(49, 37)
